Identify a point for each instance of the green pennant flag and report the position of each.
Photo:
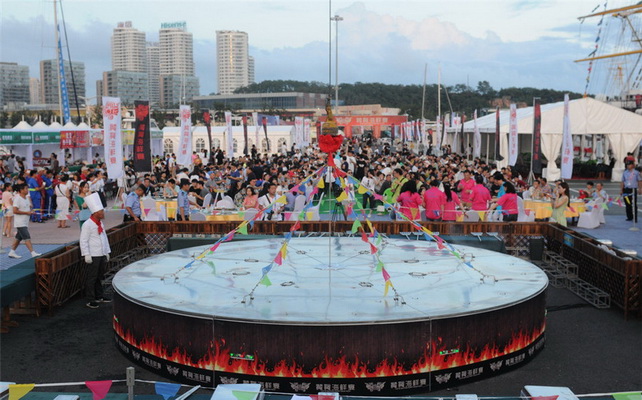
(379, 266)
(241, 395)
(355, 226)
(265, 281)
(242, 229)
(379, 240)
(211, 264)
(628, 396)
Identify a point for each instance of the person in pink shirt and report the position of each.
(480, 196)
(409, 200)
(465, 187)
(452, 202)
(508, 202)
(434, 201)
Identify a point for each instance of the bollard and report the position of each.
(131, 376)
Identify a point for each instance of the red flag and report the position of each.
(385, 274)
(364, 237)
(99, 388)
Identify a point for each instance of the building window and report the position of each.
(236, 146)
(200, 145)
(168, 146)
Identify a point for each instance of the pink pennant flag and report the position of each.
(373, 249)
(364, 237)
(229, 237)
(554, 397)
(385, 274)
(147, 210)
(295, 188)
(296, 226)
(213, 248)
(99, 388)
(349, 209)
(378, 197)
(314, 191)
(278, 259)
(440, 243)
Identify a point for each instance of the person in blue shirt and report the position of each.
(36, 197)
(182, 214)
(50, 204)
(132, 204)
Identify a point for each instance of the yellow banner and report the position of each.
(16, 392)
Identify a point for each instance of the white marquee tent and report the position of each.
(588, 117)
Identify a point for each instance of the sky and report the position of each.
(523, 43)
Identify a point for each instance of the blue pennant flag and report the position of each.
(288, 235)
(337, 181)
(167, 389)
(267, 269)
(428, 237)
(189, 264)
(468, 264)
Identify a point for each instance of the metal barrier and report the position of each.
(60, 274)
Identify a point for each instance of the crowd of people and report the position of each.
(423, 186)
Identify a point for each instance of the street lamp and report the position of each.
(336, 19)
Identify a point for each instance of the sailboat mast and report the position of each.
(423, 96)
(439, 91)
(57, 33)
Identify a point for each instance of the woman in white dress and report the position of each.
(7, 208)
(62, 202)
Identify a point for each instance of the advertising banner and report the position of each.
(184, 156)
(512, 135)
(567, 144)
(113, 139)
(229, 135)
(536, 160)
(142, 139)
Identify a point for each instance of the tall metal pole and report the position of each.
(55, 4)
(423, 96)
(336, 19)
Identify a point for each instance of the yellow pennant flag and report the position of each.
(362, 189)
(481, 215)
(426, 230)
(343, 196)
(370, 225)
(309, 215)
(284, 251)
(321, 183)
(343, 183)
(282, 200)
(385, 289)
(16, 392)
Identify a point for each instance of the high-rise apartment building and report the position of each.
(34, 91)
(176, 65)
(128, 86)
(128, 49)
(176, 49)
(14, 83)
(153, 72)
(49, 80)
(235, 67)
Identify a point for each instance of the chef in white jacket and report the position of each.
(94, 247)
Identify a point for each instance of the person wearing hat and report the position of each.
(22, 211)
(631, 187)
(94, 247)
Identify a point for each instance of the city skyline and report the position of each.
(378, 42)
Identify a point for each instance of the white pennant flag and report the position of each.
(512, 135)
(437, 136)
(298, 132)
(476, 137)
(306, 132)
(113, 139)
(567, 143)
(230, 135)
(184, 156)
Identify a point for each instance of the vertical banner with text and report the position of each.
(476, 137)
(567, 143)
(246, 146)
(257, 123)
(498, 155)
(184, 156)
(229, 140)
(512, 135)
(298, 132)
(142, 138)
(536, 153)
(113, 137)
(306, 132)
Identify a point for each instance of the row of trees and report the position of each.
(457, 98)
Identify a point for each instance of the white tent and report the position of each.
(588, 117)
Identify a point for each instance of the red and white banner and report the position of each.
(567, 144)
(437, 138)
(184, 156)
(113, 137)
(298, 132)
(255, 117)
(476, 137)
(512, 135)
(229, 142)
(306, 132)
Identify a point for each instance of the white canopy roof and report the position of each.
(22, 126)
(588, 117)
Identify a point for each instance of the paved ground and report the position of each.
(588, 350)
